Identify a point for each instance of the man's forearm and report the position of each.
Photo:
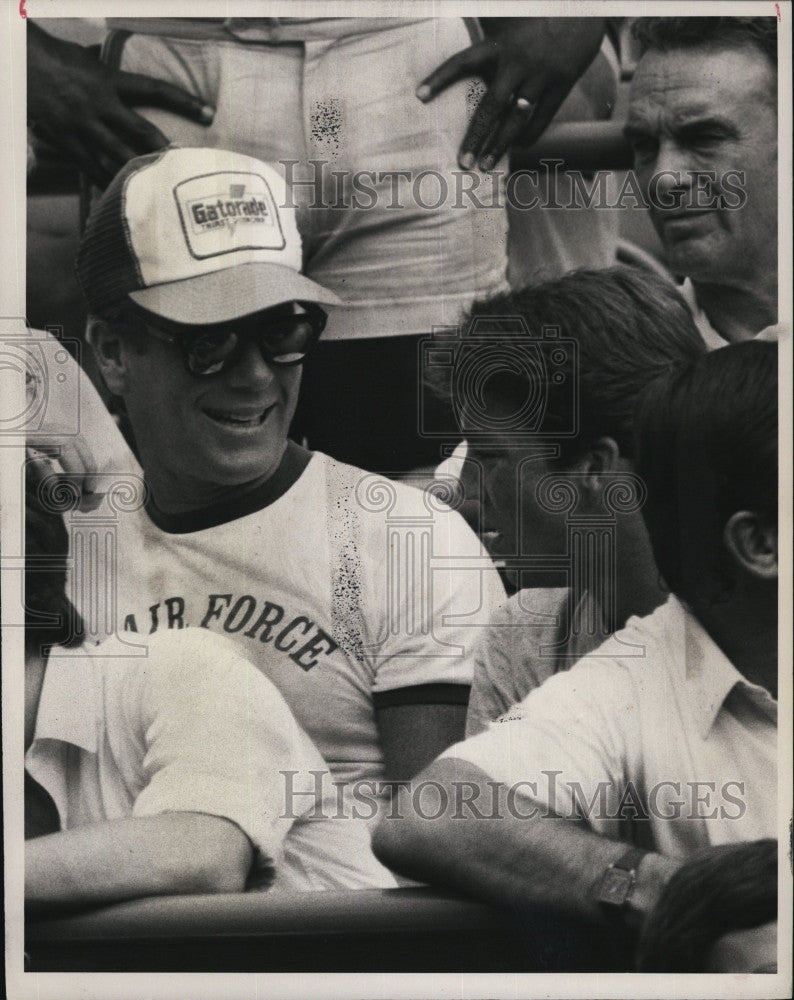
(502, 858)
(155, 855)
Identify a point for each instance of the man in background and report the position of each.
(703, 124)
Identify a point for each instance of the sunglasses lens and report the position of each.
(207, 352)
(288, 341)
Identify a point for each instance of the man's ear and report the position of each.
(106, 343)
(752, 541)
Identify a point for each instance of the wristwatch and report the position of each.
(619, 880)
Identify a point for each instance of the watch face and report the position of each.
(616, 886)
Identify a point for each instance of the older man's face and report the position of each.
(710, 112)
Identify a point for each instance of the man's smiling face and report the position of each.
(704, 110)
(197, 436)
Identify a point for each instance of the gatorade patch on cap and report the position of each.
(225, 212)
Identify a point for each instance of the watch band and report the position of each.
(619, 879)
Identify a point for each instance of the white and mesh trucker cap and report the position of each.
(196, 236)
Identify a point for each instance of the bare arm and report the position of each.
(167, 854)
(412, 736)
(505, 855)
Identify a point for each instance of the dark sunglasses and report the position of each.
(284, 339)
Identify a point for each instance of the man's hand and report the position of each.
(71, 462)
(83, 108)
(530, 66)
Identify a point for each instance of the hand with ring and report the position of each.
(530, 65)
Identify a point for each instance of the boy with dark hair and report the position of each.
(618, 330)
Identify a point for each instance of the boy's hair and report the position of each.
(718, 890)
(50, 618)
(707, 448)
(665, 33)
(629, 326)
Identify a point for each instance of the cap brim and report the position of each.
(231, 293)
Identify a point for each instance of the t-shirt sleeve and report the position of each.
(442, 592)
(512, 655)
(567, 745)
(219, 739)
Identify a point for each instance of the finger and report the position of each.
(139, 133)
(84, 464)
(113, 150)
(487, 119)
(62, 459)
(468, 62)
(74, 460)
(515, 122)
(501, 140)
(43, 464)
(545, 110)
(87, 163)
(90, 500)
(133, 88)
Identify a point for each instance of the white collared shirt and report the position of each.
(677, 736)
(712, 339)
(193, 727)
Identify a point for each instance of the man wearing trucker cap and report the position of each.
(358, 597)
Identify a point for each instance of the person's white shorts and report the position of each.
(401, 265)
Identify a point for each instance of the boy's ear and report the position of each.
(106, 343)
(602, 458)
(751, 540)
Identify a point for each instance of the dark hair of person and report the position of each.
(50, 618)
(665, 33)
(707, 448)
(627, 326)
(727, 888)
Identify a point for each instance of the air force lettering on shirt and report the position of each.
(297, 636)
